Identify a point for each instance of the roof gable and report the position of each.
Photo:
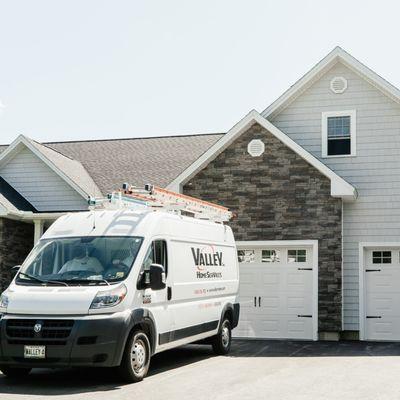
(339, 187)
(335, 56)
(71, 171)
(11, 200)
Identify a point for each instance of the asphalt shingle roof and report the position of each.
(156, 160)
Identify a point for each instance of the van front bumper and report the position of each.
(93, 340)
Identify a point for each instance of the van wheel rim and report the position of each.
(138, 356)
(225, 336)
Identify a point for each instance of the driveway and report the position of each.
(254, 370)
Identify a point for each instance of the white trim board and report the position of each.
(339, 187)
(289, 243)
(335, 56)
(361, 278)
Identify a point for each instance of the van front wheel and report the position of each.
(136, 359)
(221, 342)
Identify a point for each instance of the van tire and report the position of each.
(136, 358)
(221, 342)
(14, 373)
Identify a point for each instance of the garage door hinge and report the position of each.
(304, 316)
(374, 316)
(372, 270)
(304, 269)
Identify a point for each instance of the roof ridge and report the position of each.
(55, 151)
(133, 138)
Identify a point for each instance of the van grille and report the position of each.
(53, 331)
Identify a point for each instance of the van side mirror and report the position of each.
(157, 277)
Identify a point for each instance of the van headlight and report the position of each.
(3, 302)
(109, 298)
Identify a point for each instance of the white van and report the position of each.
(110, 288)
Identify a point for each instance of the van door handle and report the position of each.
(169, 293)
(259, 301)
(255, 301)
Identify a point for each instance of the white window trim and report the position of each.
(353, 132)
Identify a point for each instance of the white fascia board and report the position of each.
(339, 187)
(336, 55)
(28, 216)
(21, 139)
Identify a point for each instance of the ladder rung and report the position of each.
(159, 198)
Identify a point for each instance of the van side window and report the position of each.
(156, 254)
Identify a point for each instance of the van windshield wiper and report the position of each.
(34, 278)
(88, 281)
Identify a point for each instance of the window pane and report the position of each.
(246, 256)
(338, 127)
(270, 256)
(381, 257)
(339, 147)
(297, 256)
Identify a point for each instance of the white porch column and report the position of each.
(38, 232)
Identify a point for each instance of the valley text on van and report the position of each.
(112, 287)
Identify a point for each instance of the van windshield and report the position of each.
(80, 260)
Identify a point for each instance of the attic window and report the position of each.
(256, 147)
(338, 84)
(339, 133)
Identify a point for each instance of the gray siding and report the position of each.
(279, 196)
(374, 171)
(41, 186)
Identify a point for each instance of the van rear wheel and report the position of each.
(221, 343)
(13, 372)
(136, 358)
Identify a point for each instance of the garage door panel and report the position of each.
(247, 329)
(383, 328)
(286, 328)
(286, 304)
(383, 304)
(387, 280)
(271, 279)
(282, 291)
(382, 293)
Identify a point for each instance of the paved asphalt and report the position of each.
(254, 370)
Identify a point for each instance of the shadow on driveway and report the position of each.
(47, 382)
(287, 348)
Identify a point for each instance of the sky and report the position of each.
(95, 69)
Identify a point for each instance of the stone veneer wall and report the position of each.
(16, 241)
(279, 196)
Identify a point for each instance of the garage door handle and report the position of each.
(304, 316)
(255, 301)
(373, 316)
(259, 301)
(304, 269)
(372, 270)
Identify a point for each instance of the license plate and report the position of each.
(35, 351)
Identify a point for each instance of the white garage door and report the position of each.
(277, 292)
(382, 293)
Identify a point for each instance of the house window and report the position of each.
(381, 257)
(339, 134)
(270, 256)
(298, 255)
(246, 256)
